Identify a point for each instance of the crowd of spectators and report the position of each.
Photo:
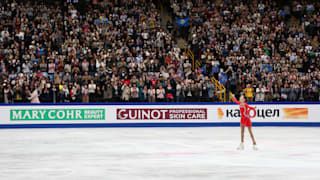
(111, 51)
(266, 51)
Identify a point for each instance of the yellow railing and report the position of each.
(219, 89)
(190, 55)
(195, 62)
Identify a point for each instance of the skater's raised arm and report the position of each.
(235, 99)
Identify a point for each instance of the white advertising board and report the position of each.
(124, 114)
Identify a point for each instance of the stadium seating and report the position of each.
(113, 51)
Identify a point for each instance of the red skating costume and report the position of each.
(244, 110)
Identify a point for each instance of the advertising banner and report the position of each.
(273, 113)
(56, 114)
(153, 113)
(161, 114)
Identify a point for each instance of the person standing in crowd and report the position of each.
(99, 95)
(54, 94)
(107, 91)
(75, 93)
(18, 94)
(134, 92)
(151, 94)
(169, 93)
(248, 93)
(269, 93)
(34, 96)
(116, 92)
(293, 93)
(64, 94)
(204, 93)
(8, 94)
(301, 91)
(277, 93)
(92, 91)
(188, 93)
(180, 92)
(284, 92)
(46, 96)
(210, 87)
(85, 94)
(1, 92)
(144, 94)
(160, 93)
(260, 93)
(125, 92)
(197, 92)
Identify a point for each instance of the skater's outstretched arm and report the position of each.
(235, 99)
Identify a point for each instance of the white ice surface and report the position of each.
(285, 153)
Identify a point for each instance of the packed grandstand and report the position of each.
(136, 50)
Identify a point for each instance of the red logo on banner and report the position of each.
(161, 114)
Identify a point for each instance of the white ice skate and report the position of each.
(240, 147)
(255, 148)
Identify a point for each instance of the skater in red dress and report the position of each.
(245, 120)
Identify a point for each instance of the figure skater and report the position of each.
(245, 120)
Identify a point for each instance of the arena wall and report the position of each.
(154, 115)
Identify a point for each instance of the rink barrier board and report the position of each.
(150, 125)
(157, 103)
(204, 115)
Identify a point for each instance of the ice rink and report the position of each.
(285, 153)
